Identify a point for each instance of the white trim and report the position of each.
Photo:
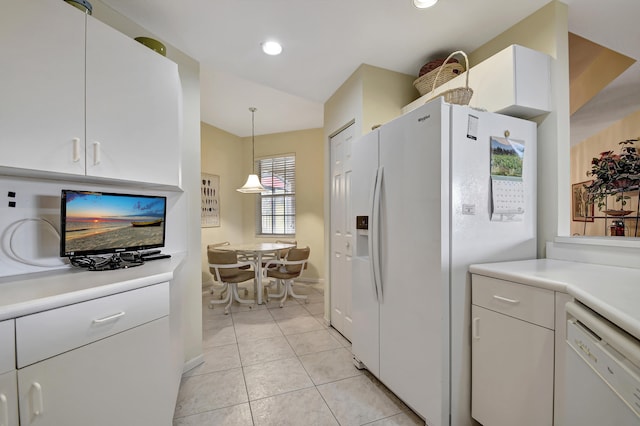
(309, 280)
(599, 250)
(192, 363)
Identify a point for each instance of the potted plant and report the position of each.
(614, 173)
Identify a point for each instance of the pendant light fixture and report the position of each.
(424, 4)
(252, 185)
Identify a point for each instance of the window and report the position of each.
(277, 205)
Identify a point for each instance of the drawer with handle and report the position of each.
(49, 333)
(532, 304)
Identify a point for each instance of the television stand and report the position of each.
(106, 263)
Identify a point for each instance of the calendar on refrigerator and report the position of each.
(507, 186)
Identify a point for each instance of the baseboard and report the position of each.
(193, 363)
(309, 280)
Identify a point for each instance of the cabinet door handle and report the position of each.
(109, 318)
(96, 153)
(4, 408)
(504, 299)
(475, 328)
(76, 150)
(36, 399)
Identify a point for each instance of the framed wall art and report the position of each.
(210, 204)
(581, 210)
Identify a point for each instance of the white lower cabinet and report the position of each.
(120, 380)
(512, 353)
(8, 386)
(8, 399)
(123, 378)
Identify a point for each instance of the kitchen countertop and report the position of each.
(29, 293)
(612, 291)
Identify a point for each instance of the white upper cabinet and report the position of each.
(99, 105)
(515, 81)
(132, 109)
(42, 86)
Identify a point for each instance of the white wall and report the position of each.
(547, 31)
(186, 299)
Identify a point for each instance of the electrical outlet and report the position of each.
(12, 203)
(11, 194)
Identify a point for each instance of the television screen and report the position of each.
(99, 222)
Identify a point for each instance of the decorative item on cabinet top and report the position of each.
(153, 44)
(430, 75)
(83, 5)
(457, 95)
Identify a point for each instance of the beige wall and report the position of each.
(546, 31)
(307, 145)
(222, 154)
(370, 96)
(345, 106)
(581, 155)
(384, 95)
(229, 156)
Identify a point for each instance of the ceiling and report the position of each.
(324, 42)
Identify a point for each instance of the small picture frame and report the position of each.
(581, 209)
(210, 204)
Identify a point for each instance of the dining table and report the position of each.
(255, 252)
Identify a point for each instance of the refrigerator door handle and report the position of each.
(370, 244)
(375, 234)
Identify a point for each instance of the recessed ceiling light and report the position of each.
(271, 48)
(423, 4)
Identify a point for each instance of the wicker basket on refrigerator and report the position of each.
(437, 76)
(458, 95)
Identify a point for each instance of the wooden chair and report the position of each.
(286, 270)
(227, 270)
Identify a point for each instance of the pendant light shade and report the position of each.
(252, 185)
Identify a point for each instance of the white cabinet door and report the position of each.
(121, 380)
(132, 109)
(42, 86)
(8, 399)
(512, 371)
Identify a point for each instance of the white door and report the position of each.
(341, 235)
(365, 306)
(413, 240)
(512, 371)
(133, 109)
(94, 384)
(42, 86)
(8, 399)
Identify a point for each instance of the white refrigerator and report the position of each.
(433, 191)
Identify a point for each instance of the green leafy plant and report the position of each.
(614, 173)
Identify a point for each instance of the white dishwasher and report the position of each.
(602, 371)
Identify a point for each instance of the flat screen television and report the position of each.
(94, 223)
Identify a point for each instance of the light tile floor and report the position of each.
(281, 366)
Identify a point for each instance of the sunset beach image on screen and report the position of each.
(95, 222)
